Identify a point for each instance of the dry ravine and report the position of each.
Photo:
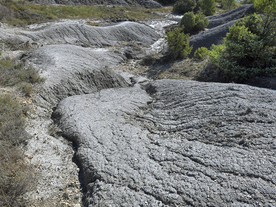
(104, 137)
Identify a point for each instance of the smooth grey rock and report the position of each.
(85, 35)
(184, 143)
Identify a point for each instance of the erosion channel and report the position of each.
(135, 141)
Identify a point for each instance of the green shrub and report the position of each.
(228, 4)
(178, 43)
(188, 21)
(201, 53)
(166, 2)
(250, 49)
(201, 22)
(193, 22)
(214, 53)
(183, 6)
(208, 7)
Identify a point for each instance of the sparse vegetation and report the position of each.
(23, 13)
(178, 43)
(16, 176)
(14, 73)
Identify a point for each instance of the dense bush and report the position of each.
(193, 23)
(183, 6)
(228, 4)
(188, 21)
(214, 53)
(201, 53)
(250, 49)
(166, 2)
(208, 7)
(200, 22)
(178, 43)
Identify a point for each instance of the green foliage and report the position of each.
(250, 49)
(214, 53)
(178, 43)
(201, 53)
(208, 7)
(188, 21)
(200, 22)
(193, 23)
(265, 6)
(166, 2)
(183, 6)
(228, 4)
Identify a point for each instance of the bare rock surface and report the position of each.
(181, 143)
(71, 70)
(78, 34)
(234, 14)
(85, 35)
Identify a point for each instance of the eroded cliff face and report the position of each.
(134, 141)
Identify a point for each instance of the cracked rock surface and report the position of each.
(175, 143)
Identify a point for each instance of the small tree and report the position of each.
(193, 22)
(178, 43)
(188, 21)
(183, 6)
(166, 2)
(250, 49)
(201, 22)
(208, 7)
